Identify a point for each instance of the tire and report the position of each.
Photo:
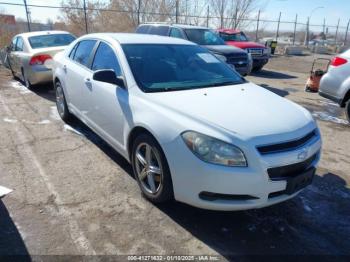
(153, 168)
(61, 103)
(347, 110)
(257, 68)
(25, 80)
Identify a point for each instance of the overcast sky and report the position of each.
(332, 10)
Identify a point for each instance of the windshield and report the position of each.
(167, 67)
(238, 37)
(50, 40)
(203, 37)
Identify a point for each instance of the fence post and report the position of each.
(336, 32)
(278, 26)
(138, 11)
(257, 27)
(306, 42)
(346, 33)
(222, 8)
(177, 11)
(27, 14)
(324, 25)
(295, 28)
(208, 12)
(86, 24)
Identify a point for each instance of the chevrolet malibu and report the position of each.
(192, 128)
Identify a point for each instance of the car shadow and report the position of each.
(272, 74)
(277, 91)
(12, 247)
(314, 223)
(45, 91)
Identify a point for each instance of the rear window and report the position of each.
(50, 40)
(142, 29)
(159, 30)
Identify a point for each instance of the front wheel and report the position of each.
(151, 169)
(61, 103)
(347, 110)
(257, 68)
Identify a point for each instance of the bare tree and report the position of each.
(234, 13)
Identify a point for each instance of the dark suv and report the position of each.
(203, 36)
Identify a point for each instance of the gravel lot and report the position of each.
(73, 195)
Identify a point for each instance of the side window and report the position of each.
(72, 52)
(105, 59)
(13, 44)
(83, 51)
(19, 45)
(176, 33)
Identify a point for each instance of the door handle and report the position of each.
(88, 83)
(65, 68)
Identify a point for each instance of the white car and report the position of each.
(192, 128)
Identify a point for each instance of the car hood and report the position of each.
(247, 109)
(224, 49)
(244, 45)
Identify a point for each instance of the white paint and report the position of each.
(71, 129)
(9, 120)
(4, 191)
(27, 154)
(326, 117)
(17, 85)
(54, 113)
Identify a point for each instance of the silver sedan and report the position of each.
(29, 56)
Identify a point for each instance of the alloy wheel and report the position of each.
(60, 100)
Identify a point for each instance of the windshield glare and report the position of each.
(203, 37)
(50, 40)
(238, 37)
(167, 67)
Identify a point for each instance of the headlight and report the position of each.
(214, 151)
(221, 57)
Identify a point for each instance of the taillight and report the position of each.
(338, 61)
(39, 59)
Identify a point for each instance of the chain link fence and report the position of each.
(91, 17)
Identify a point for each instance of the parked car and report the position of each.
(203, 36)
(192, 128)
(29, 55)
(237, 38)
(335, 84)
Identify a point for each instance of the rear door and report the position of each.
(78, 72)
(108, 103)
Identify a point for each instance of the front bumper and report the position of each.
(260, 61)
(191, 177)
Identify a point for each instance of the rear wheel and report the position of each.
(151, 169)
(61, 103)
(347, 110)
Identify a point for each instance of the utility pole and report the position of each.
(86, 23)
(278, 26)
(177, 11)
(295, 28)
(27, 14)
(306, 42)
(208, 12)
(138, 12)
(257, 27)
(222, 11)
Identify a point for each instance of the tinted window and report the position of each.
(83, 51)
(50, 40)
(142, 29)
(238, 37)
(105, 59)
(72, 53)
(13, 44)
(159, 30)
(176, 33)
(19, 45)
(203, 37)
(166, 67)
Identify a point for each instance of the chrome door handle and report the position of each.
(88, 83)
(65, 68)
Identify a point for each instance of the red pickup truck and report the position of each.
(259, 52)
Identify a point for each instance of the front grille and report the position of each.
(238, 60)
(209, 196)
(286, 146)
(282, 172)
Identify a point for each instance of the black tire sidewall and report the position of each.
(66, 116)
(166, 192)
(347, 110)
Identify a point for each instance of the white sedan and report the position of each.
(192, 128)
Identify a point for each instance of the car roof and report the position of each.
(183, 26)
(37, 33)
(132, 38)
(229, 31)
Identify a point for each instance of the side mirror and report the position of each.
(108, 76)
